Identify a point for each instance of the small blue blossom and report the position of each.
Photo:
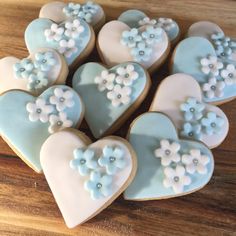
(192, 109)
(212, 123)
(87, 16)
(112, 159)
(130, 38)
(23, 69)
(98, 185)
(37, 81)
(141, 53)
(191, 131)
(44, 60)
(152, 35)
(83, 161)
(90, 7)
(72, 9)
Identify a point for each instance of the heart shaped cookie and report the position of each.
(225, 46)
(167, 166)
(118, 43)
(34, 74)
(88, 177)
(27, 121)
(136, 18)
(73, 38)
(197, 57)
(110, 95)
(58, 12)
(179, 96)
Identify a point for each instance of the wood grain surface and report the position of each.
(27, 206)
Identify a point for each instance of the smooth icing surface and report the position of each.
(25, 136)
(186, 59)
(113, 52)
(145, 135)
(67, 184)
(35, 38)
(99, 112)
(172, 92)
(8, 80)
(54, 12)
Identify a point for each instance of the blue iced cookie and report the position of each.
(27, 121)
(167, 166)
(110, 95)
(197, 57)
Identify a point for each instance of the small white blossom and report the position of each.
(67, 47)
(211, 65)
(166, 23)
(229, 74)
(105, 81)
(54, 33)
(147, 21)
(73, 29)
(213, 88)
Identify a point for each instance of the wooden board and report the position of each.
(26, 203)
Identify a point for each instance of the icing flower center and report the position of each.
(167, 152)
(131, 38)
(37, 81)
(195, 161)
(213, 124)
(211, 66)
(39, 110)
(59, 123)
(119, 96)
(192, 109)
(190, 134)
(176, 179)
(99, 185)
(104, 81)
(126, 75)
(62, 99)
(152, 36)
(141, 53)
(112, 159)
(22, 69)
(82, 161)
(44, 61)
(213, 87)
(231, 75)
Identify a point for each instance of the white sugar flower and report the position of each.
(105, 80)
(168, 152)
(147, 21)
(176, 178)
(58, 122)
(67, 47)
(211, 65)
(165, 23)
(229, 74)
(38, 110)
(62, 99)
(119, 95)
(54, 33)
(73, 29)
(126, 75)
(213, 88)
(195, 162)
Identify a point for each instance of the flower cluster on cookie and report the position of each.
(65, 35)
(98, 168)
(141, 43)
(36, 72)
(178, 168)
(198, 120)
(53, 110)
(117, 84)
(220, 75)
(85, 11)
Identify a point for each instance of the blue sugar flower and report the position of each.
(130, 38)
(72, 9)
(90, 7)
(112, 159)
(212, 123)
(141, 53)
(152, 35)
(44, 60)
(83, 161)
(87, 16)
(23, 69)
(192, 109)
(98, 185)
(192, 131)
(37, 81)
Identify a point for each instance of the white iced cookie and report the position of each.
(85, 178)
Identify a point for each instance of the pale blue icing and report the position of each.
(145, 135)
(27, 137)
(99, 112)
(186, 59)
(35, 38)
(132, 18)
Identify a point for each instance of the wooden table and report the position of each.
(27, 206)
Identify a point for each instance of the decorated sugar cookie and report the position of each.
(224, 45)
(58, 12)
(34, 74)
(73, 38)
(110, 95)
(167, 166)
(118, 43)
(136, 18)
(197, 57)
(179, 96)
(27, 121)
(88, 177)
